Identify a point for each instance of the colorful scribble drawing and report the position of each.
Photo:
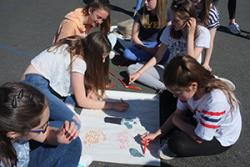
(94, 137)
(135, 153)
(130, 123)
(123, 139)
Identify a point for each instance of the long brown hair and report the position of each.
(184, 9)
(100, 4)
(91, 49)
(204, 13)
(183, 70)
(161, 13)
(96, 45)
(21, 107)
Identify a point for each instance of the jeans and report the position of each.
(138, 5)
(134, 53)
(58, 109)
(62, 155)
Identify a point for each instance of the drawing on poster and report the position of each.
(135, 153)
(123, 139)
(94, 136)
(111, 135)
(130, 123)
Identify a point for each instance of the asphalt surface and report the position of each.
(27, 27)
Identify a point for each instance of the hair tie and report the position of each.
(31, 100)
(20, 94)
(14, 102)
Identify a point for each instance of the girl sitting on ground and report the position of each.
(182, 36)
(207, 120)
(26, 138)
(147, 27)
(209, 17)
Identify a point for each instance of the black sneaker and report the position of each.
(165, 153)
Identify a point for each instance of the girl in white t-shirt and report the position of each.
(207, 119)
(73, 71)
(182, 36)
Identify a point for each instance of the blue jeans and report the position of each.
(134, 53)
(62, 155)
(58, 109)
(138, 5)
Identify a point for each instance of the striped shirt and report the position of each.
(215, 118)
(213, 20)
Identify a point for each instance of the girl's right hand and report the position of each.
(119, 106)
(147, 137)
(133, 77)
(191, 25)
(67, 133)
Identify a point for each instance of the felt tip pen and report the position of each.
(122, 101)
(145, 145)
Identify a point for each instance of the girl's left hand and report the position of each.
(67, 133)
(191, 25)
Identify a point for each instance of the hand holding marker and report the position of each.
(124, 84)
(145, 145)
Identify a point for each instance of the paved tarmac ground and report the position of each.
(27, 27)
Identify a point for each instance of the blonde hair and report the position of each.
(183, 70)
(161, 10)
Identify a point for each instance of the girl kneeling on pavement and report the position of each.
(73, 72)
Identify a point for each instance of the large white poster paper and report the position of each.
(113, 136)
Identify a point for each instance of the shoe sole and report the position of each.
(165, 157)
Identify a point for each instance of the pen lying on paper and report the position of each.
(122, 101)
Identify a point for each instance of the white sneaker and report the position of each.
(234, 28)
(165, 153)
(227, 81)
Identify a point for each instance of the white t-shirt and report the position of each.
(55, 67)
(179, 46)
(215, 117)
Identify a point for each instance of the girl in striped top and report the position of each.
(208, 16)
(207, 120)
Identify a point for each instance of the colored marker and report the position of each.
(132, 87)
(122, 101)
(145, 145)
(113, 120)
